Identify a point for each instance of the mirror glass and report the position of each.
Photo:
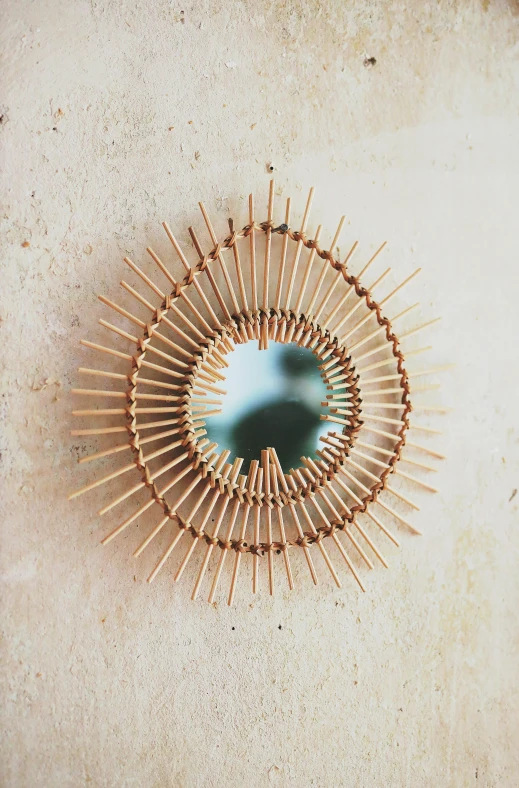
(273, 399)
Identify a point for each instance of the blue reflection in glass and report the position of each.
(273, 399)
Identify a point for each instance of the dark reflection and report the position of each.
(273, 399)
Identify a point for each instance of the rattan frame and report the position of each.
(203, 338)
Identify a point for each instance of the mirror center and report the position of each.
(273, 399)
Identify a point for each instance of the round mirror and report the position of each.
(273, 400)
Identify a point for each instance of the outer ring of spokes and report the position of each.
(232, 330)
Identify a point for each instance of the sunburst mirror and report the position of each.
(263, 403)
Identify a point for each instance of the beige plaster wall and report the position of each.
(117, 115)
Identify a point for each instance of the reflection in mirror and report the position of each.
(273, 399)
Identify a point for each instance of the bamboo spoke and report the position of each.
(251, 481)
(283, 259)
(299, 247)
(187, 268)
(360, 302)
(221, 260)
(234, 471)
(281, 524)
(209, 273)
(293, 512)
(351, 288)
(324, 270)
(200, 532)
(223, 553)
(337, 278)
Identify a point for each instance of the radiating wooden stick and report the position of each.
(109, 430)
(123, 395)
(384, 420)
(196, 283)
(173, 307)
(337, 278)
(205, 387)
(293, 512)
(296, 474)
(419, 328)
(239, 272)
(308, 270)
(351, 288)
(318, 470)
(234, 471)
(264, 324)
(208, 448)
(360, 302)
(401, 497)
(324, 269)
(201, 474)
(422, 372)
(209, 273)
(165, 557)
(171, 547)
(323, 465)
(190, 305)
(265, 464)
(356, 523)
(268, 242)
(281, 524)
(256, 537)
(121, 311)
(425, 449)
(251, 480)
(399, 517)
(387, 453)
(391, 359)
(151, 536)
(367, 317)
(182, 351)
(252, 255)
(388, 298)
(140, 485)
(298, 249)
(282, 261)
(223, 553)
(99, 431)
(126, 446)
(419, 482)
(124, 469)
(379, 330)
(372, 476)
(114, 375)
(109, 350)
(221, 260)
(212, 503)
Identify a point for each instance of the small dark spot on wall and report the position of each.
(280, 627)
(369, 62)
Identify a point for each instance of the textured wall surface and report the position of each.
(118, 115)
